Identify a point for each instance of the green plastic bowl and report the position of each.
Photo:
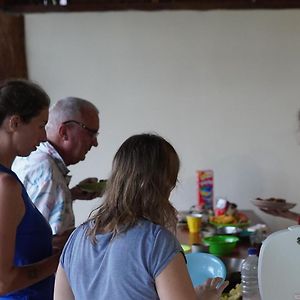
(221, 244)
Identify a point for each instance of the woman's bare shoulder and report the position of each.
(8, 181)
(11, 192)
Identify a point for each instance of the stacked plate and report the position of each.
(273, 203)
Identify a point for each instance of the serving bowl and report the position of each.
(202, 266)
(272, 204)
(233, 230)
(91, 187)
(221, 244)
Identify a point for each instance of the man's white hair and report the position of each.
(70, 108)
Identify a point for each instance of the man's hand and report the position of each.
(79, 193)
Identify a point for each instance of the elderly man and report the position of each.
(72, 130)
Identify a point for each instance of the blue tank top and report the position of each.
(33, 243)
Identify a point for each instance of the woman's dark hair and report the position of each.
(23, 98)
(144, 172)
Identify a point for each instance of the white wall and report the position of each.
(222, 86)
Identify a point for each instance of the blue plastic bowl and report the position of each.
(202, 266)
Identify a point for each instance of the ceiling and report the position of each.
(24, 6)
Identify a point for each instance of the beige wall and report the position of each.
(222, 86)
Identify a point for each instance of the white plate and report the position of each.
(273, 205)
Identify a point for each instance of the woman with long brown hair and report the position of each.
(128, 250)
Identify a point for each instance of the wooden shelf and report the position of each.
(110, 5)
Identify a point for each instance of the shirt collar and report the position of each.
(49, 149)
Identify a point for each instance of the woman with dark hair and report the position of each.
(27, 264)
(128, 250)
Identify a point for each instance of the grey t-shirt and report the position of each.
(124, 268)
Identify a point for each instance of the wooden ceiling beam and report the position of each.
(109, 5)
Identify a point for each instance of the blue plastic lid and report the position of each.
(252, 251)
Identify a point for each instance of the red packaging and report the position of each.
(205, 188)
(221, 207)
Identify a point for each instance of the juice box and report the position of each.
(205, 186)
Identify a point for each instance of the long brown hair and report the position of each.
(144, 172)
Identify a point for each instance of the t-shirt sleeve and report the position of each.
(66, 255)
(165, 247)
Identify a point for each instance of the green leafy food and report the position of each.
(92, 187)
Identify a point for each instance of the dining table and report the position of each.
(240, 251)
(232, 261)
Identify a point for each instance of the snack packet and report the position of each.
(205, 188)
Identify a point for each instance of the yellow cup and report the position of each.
(194, 223)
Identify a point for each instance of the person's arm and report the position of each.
(174, 283)
(287, 214)
(62, 289)
(12, 210)
(59, 240)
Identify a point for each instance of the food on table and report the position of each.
(234, 294)
(238, 218)
(230, 215)
(272, 199)
(273, 203)
(231, 209)
(222, 219)
(223, 207)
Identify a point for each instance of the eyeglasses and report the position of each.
(93, 132)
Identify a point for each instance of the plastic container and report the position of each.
(202, 266)
(249, 276)
(221, 244)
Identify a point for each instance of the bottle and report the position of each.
(250, 276)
